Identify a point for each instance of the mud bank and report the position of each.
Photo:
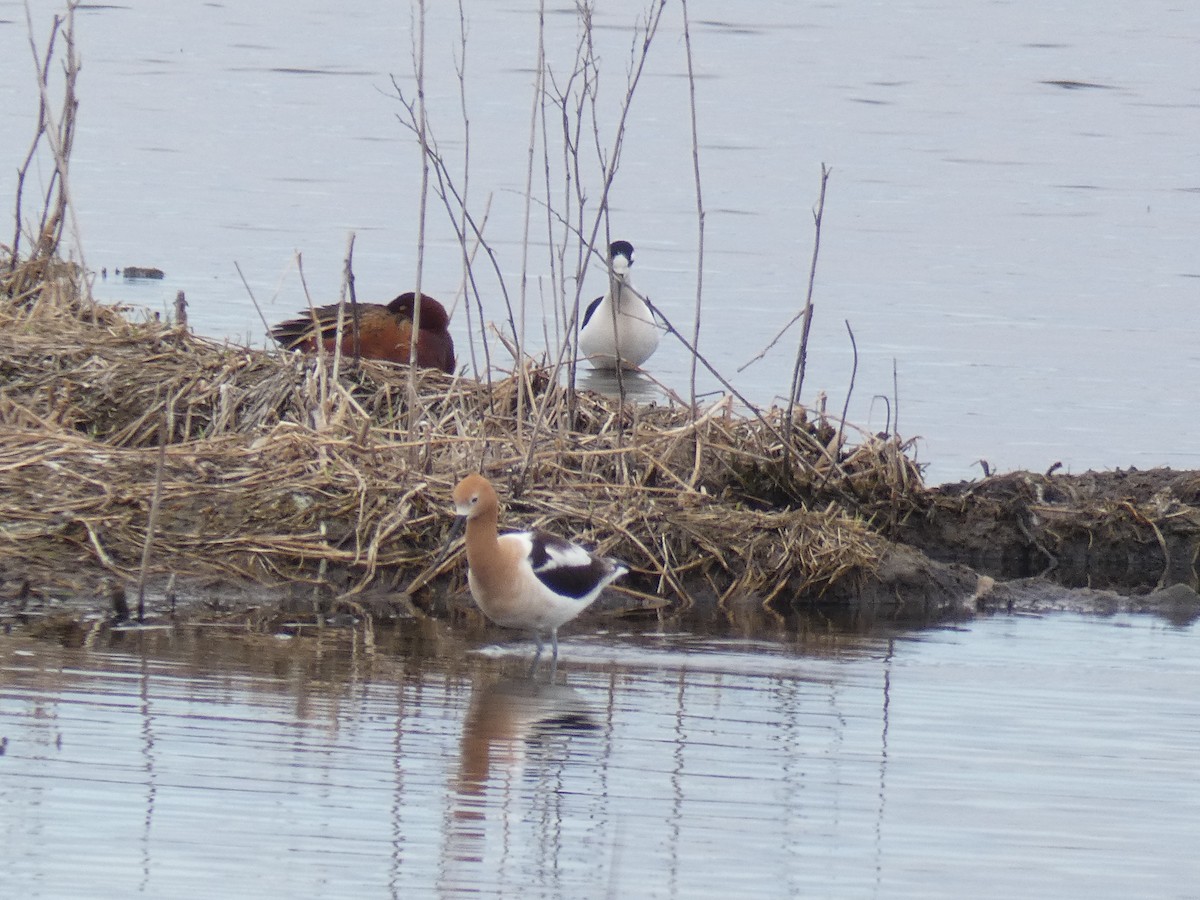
(1019, 543)
(1128, 531)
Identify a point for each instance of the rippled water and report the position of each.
(1019, 756)
(1010, 224)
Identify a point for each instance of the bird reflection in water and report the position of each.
(519, 738)
(629, 384)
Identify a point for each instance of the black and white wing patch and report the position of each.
(568, 569)
(591, 309)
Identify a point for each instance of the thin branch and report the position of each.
(155, 504)
(43, 76)
(522, 298)
(460, 227)
(423, 137)
(895, 419)
(687, 43)
(58, 207)
(806, 310)
(802, 351)
(258, 309)
(849, 390)
(348, 284)
(451, 198)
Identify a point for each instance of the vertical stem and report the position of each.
(895, 402)
(687, 43)
(837, 447)
(538, 77)
(423, 137)
(43, 75)
(59, 208)
(802, 351)
(466, 180)
(348, 278)
(155, 503)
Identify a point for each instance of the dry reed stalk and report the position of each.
(352, 294)
(805, 310)
(152, 523)
(58, 134)
(523, 291)
(687, 43)
(422, 202)
(53, 215)
(459, 215)
(254, 301)
(468, 287)
(802, 349)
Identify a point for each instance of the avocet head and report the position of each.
(620, 255)
(474, 496)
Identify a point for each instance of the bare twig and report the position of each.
(455, 204)
(805, 311)
(348, 284)
(460, 228)
(423, 138)
(522, 296)
(850, 388)
(802, 351)
(152, 519)
(896, 405)
(43, 76)
(687, 43)
(258, 309)
(835, 453)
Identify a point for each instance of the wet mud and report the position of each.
(1099, 541)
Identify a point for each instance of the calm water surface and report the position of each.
(1011, 222)
(1014, 757)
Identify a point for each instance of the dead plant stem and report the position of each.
(155, 505)
(687, 43)
(348, 282)
(423, 138)
(802, 350)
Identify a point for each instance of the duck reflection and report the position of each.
(519, 739)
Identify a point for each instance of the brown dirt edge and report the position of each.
(1097, 543)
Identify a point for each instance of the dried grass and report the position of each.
(277, 471)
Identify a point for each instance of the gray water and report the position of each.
(1015, 757)
(1011, 221)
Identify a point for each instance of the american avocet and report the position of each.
(635, 336)
(384, 332)
(526, 579)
